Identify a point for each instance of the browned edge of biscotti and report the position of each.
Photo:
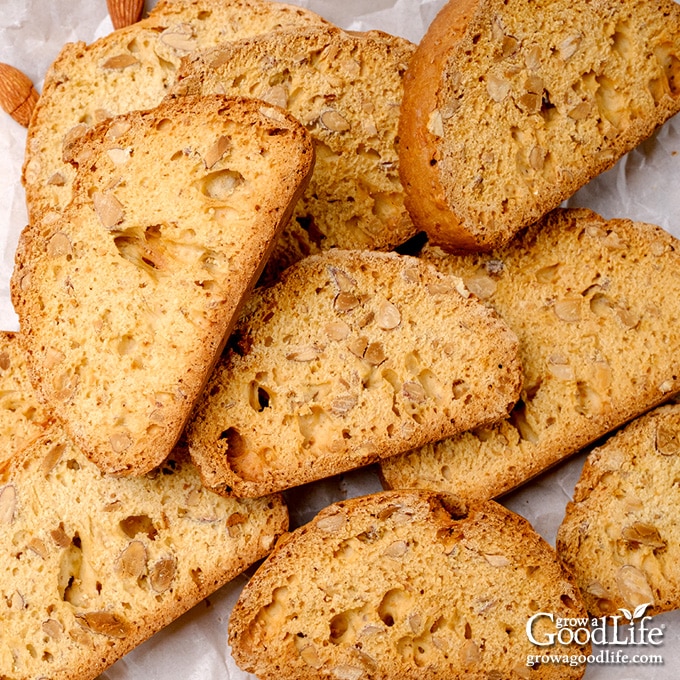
(259, 259)
(333, 524)
(544, 457)
(211, 434)
(150, 453)
(425, 195)
(108, 635)
(625, 564)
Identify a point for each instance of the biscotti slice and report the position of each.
(406, 585)
(125, 300)
(218, 21)
(129, 69)
(511, 105)
(620, 536)
(596, 307)
(353, 356)
(346, 89)
(92, 565)
(22, 417)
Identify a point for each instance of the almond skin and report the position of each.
(125, 12)
(17, 94)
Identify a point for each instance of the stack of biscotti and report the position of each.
(91, 565)
(346, 88)
(595, 305)
(511, 105)
(406, 585)
(22, 417)
(352, 357)
(129, 69)
(126, 298)
(620, 535)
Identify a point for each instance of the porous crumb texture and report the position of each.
(346, 89)
(129, 69)
(22, 417)
(511, 105)
(107, 562)
(352, 357)
(596, 307)
(620, 534)
(124, 300)
(401, 585)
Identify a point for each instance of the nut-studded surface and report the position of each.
(107, 562)
(619, 536)
(124, 300)
(510, 106)
(352, 357)
(404, 585)
(347, 90)
(595, 304)
(130, 69)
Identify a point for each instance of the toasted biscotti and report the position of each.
(129, 69)
(595, 305)
(22, 417)
(92, 565)
(405, 585)
(346, 89)
(125, 300)
(620, 536)
(510, 106)
(353, 356)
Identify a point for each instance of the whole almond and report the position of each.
(125, 12)
(17, 94)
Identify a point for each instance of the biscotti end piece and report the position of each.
(91, 565)
(346, 89)
(620, 536)
(384, 586)
(354, 356)
(129, 69)
(595, 304)
(22, 417)
(510, 107)
(125, 300)
(213, 22)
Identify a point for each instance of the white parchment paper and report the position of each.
(645, 185)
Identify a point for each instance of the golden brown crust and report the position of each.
(354, 356)
(518, 108)
(129, 69)
(108, 562)
(419, 154)
(594, 304)
(346, 89)
(619, 535)
(383, 586)
(126, 299)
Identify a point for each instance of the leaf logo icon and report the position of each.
(637, 613)
(640, 610)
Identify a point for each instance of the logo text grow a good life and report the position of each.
(627, 630)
